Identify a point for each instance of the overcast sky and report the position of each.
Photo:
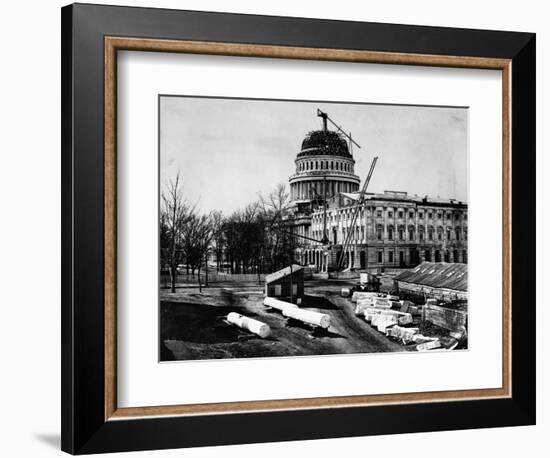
(228, 150)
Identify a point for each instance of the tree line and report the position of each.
(256, 239)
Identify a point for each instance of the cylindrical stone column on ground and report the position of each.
(249, 324)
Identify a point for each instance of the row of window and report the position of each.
(402, 233)
(438, 256)
(311, 188)
(438, 215)
(401, 257)
(400, 214)
(411, 232)
(325, 165)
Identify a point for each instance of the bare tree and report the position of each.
(174, 215)
(197, 235)
(276, 204)
(275, 211)
(217, 236)
(206, 234)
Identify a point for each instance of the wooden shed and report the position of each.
(280, 284)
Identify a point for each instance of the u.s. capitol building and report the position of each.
(392, 229)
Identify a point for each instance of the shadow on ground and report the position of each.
(315, 331)
(52, 440)
(317, 302)
(200, 323)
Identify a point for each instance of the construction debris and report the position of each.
(405, 335)
(392, 316)
(459, 334)
(382, 302)
(405, 305)
(382, 322)
(399, 317)
(370, 313)
(448, 343)
(442, 343)
(388, 314)
(429, 345)
(404, 318)
(254, 326)
(357, 295)
(363, 304)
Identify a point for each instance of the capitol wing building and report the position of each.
(392, 229)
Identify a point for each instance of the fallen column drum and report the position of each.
(254, 326)
(307, 316)
(277, 304)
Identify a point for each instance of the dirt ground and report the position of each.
(193, 324)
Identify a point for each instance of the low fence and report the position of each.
(213, 277)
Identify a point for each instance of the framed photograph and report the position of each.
(283, 228)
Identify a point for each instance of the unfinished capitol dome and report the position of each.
(324, 166)
(323, 142)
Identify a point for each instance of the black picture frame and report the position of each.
(84, 428)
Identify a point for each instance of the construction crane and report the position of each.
(352, 142)
(349, 234)
(326, 118)
(324, 239)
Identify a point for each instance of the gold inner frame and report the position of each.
(114, 44)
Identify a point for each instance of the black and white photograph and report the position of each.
(274, 229)
(300, 228)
